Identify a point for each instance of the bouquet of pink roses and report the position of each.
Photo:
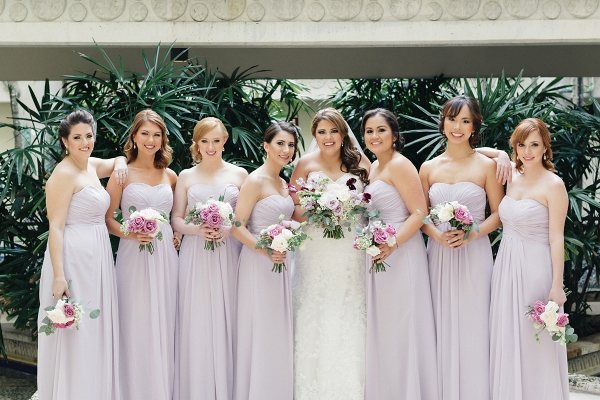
(330, 205)
(146, 221)
(546, 316)
(64, 315)
(283, 236)
(213, 213)
(375, 233)
(457, 215)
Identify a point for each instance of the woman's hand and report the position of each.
(277, 257)
(121, 170)
(176, 240)
(208, 233)
(557, 295)
(450, 239)
(60, 287)
(385, 250)
(503, 168)
(463, 242)
(141, 238)
(224, 233)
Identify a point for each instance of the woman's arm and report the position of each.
(443, 238)
(250, 194)
(504, 166)
(180, 210)
(59, 190)
(106, 167)
(558, 205)
(299, 172)
(406, 181)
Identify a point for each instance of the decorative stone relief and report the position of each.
(17, 12)
(434, 11)
(581, 8)
(287, 9)
(228, 9)
(255, 12)
(315, 12)
(107, 9)
(77, 12)
(1, 6)
(374, 11)
(551, 9)
(344, 9)
(169, 9)
(404, 9)
(48, 10)
(138, 11)
(198, 12)
(492, 10)
(521, 8)
(462, 9)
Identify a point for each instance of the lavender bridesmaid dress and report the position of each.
(264, 338)
(522, 369)
(460, 289)
(204, 341)
(147, 288)
(401, 349)
(82, 364)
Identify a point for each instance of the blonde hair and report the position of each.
(521, 133)
(163, 156)
(204, 126)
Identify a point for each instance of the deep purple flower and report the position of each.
(366, 197)
(350, 183)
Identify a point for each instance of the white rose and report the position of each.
(549, 318)
(391, 241)
(445, 215)
(373, 251)
(294, 224)
(134, 215)
(279, 243)
(270, 228)
(225, 210)
(287, 234)
(551, 307)
(454, 204)
(148, 213)
(57, 315)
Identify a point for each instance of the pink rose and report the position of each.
(150, 227)
(539, 307)
(68, 310)
(276, 231)
(215, 220)
(137, 224)
(536, 318)
(562, 320)
(332, 204)
(380, 236)
(463, 215)
(339, 210)
(389, 228)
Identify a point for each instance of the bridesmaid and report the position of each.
(146, 283)
(529, 267)
(264, 338)
(204, 355)
(79, 364)
(400, 327)
(460, 269)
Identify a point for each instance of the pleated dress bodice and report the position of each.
(525, 219)
(200, 193)
(468, 194)
(267, 211)
(141, 195)
(388, 201)
(88, 206)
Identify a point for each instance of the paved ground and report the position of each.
(584, 396)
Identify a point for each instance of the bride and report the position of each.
(328, 279)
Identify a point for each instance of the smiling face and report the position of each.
(531, 151)
(281, 148)
(148, 138)
(378, 134)
(80, 141)
(459, 128)
(328, 137)
(211, 144)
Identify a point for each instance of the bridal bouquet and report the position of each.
(65, 315)
(146, 221)
(546, 316)
(213, 213)
(457, 215)
(375, 233)
(330, 205)
(283, 236)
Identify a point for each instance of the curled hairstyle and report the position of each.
(68, 122)
(162, 158)
(277, 127)
(204, 126)
(349, 154)
(392, 122)
(521, 133)
(452, 108)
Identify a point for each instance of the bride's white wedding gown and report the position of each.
(329, 304)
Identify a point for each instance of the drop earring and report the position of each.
(66, 151)
(544, 156)
(267, 155)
